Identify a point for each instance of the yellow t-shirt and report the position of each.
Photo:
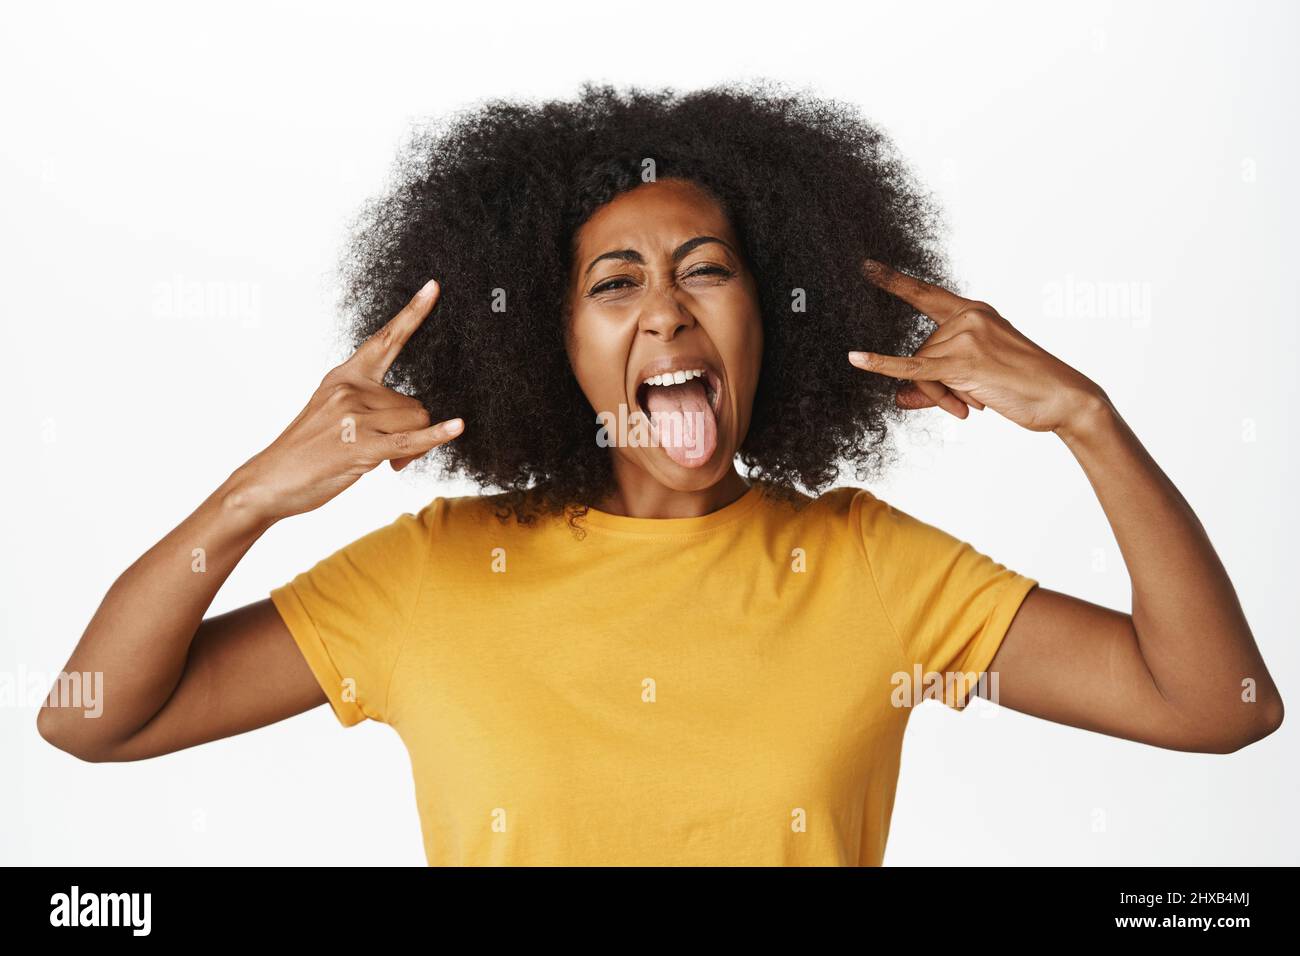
(730, 689)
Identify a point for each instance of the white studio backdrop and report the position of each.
(1119, 181)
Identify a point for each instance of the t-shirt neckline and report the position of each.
(595, 518)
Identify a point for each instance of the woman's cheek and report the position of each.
(599, 355)
(739, 340)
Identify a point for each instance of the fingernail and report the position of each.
(455, 426)
(859, 358)
(426, 290)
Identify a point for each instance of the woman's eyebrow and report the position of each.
(631, 255)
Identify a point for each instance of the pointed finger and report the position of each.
(932, 300)
(376, 354)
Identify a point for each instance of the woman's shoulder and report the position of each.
(858, 513)
(842, 511)
(493, 513)
(466, 510)
(842, 501)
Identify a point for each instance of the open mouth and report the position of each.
(712, 388)
(682, 399)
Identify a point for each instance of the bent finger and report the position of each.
(912, 398)
(941, 396)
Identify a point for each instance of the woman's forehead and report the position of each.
(666, 212)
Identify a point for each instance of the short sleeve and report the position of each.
(950, 605)
(350, 612)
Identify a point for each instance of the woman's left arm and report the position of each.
(1182, 671)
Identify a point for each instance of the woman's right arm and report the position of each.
(169, 678)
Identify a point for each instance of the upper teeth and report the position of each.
(674, 378)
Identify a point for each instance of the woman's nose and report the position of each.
(665, 315)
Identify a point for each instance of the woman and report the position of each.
(634, 653)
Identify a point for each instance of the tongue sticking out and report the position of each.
(683, 422)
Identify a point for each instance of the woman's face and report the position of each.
(665, 330)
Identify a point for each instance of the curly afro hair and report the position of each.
(488, 201)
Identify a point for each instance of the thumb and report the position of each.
(427, 439)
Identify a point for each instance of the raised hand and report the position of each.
(351, 424)
(976, 358)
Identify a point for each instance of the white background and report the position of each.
(175, 188)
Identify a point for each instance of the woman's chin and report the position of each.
(689, 474)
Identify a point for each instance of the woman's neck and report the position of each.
(638, 495)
